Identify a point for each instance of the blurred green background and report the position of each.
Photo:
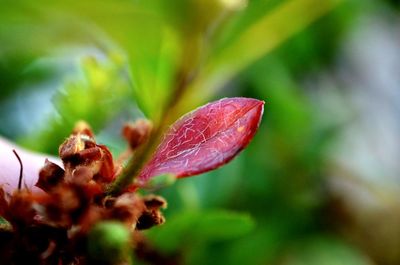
(319, 184)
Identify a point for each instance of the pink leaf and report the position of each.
(205, 138)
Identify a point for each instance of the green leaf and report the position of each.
(200, 227)
(253, 42)
(154, 64)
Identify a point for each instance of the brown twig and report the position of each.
(20, 169)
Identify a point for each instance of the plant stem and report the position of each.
(134, 166)
(183, 80)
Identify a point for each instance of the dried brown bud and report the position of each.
(54, 226)
(106, 173)
(22, 211)
(82, 127)
(89, 154)
(70, 147)
(154, 202)
(80, 175)
(50, 176)
(81, 139)
(149, 219)
(127, 208)
(152, 216)
(137, 133)
(68, 202)
(84, 159)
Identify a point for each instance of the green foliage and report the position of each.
(166, 50)
(103, 92)
(250, 39)
(324, 250)
(199, 228)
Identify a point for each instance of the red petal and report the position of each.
(205, 138)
